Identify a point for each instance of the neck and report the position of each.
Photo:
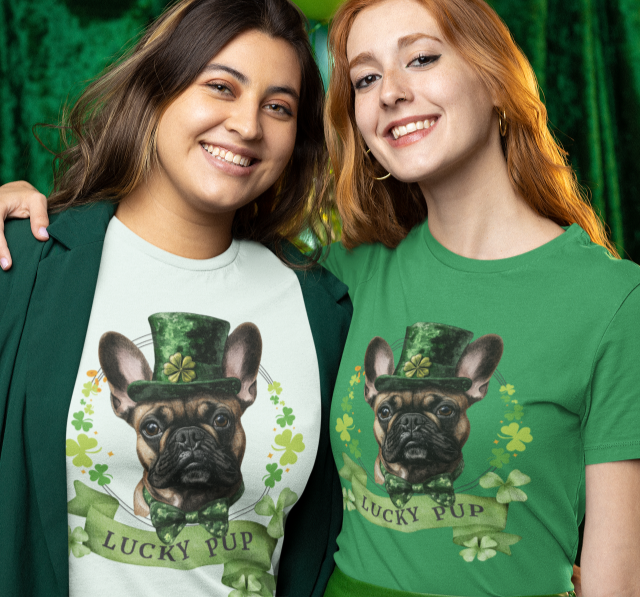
(474, 210)
(173, 225)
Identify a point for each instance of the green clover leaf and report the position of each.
(500, 458)
(78, 422)
(177, 368)
(273, 475)
(89, 388)
(290, 445)
(355, 379)
(353, 448)
(519, 436)
(99, 475)
(266, 507)
(516, 414)
(246, 586)
(348, 500)
(343, 425)
(89, 410)
(275, 399)
(417, 366)
(507, 491)
(83, 402)
(346, 404)
(483, 549)
(286, 419)
(79, 450)
(275, 388)
(509, 389)
(76, 539)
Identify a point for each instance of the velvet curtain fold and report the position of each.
(586, 54)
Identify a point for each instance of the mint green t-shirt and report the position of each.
(470, 397)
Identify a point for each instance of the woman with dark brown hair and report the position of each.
(487, 396)
(163, 373)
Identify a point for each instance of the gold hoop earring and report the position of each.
(502, 122)
(382, 178)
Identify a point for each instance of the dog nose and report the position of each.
(411, 421)
(189, 437)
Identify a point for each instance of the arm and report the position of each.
(610, 561)
(21, 200)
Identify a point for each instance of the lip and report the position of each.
(410, 138)
(405, 121)
(236, 149)
(229, 167)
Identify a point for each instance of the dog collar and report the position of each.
(439, 487)
(169, 521)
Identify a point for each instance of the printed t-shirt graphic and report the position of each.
(562, 394)
(190, 434)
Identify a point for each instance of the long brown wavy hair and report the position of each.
(375, 211)
(109, 135)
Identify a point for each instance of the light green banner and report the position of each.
(471, 516)
(246, 545)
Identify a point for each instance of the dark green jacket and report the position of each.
(45, 303)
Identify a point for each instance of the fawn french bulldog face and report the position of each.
(421, 431)
(191, 448)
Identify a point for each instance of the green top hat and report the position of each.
(188, 352)
(429, 357)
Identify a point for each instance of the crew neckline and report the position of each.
(458, 262)
(126, 235)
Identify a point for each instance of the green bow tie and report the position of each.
(169, 521)
(438, 488)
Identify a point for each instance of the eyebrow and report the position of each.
(244, 80)
(403, 42)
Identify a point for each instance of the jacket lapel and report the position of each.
(55, 331)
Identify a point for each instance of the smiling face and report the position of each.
(227, 138)
(420, 107)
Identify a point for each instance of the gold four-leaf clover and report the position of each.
(178, 367)
(417, 366)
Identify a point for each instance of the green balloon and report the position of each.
(319, 10)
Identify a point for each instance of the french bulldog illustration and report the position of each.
(187, 412)
(420, 410)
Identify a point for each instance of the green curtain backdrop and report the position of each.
(586, 54)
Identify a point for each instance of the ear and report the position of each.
(478, 362)
(242, 355)
(378, 361)
(122, 363)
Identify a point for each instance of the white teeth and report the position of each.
(223, 154)
(419, 125)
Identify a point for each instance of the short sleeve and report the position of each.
(611, 428)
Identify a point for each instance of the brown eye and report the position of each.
(445, 410)
(220, 420)
(151, 429)
(385, 412)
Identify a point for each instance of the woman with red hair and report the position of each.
(487, 396)
(465, 463)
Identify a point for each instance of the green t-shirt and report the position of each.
(470, 396)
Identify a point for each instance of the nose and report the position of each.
(189, 438)
(411, 421)
(394, 90)
(245, 121)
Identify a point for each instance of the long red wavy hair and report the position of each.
(385, 211)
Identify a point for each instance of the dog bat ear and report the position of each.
(242, 355)
(478, 362)
(122, 363)
(378, 361)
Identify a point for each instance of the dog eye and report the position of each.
(151, 429)
(445, 410)
(384, 412)
(220, 420)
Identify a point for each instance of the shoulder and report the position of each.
(353, 266)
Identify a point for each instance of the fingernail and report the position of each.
(42, 231)
(4, 262)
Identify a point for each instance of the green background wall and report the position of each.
(586, 54)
